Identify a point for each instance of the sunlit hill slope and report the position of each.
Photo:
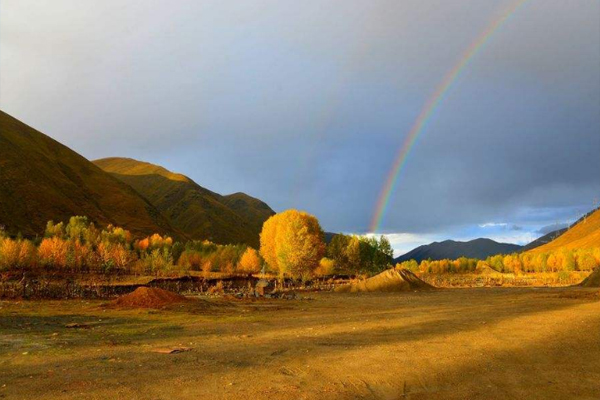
(195, 210)
(41, 180)
(584, 234)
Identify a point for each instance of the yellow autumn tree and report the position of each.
(9, 253)
(250, 262)
(292, 244)
(353, 254)
(53, 252)
(268, 242)
(326, 267)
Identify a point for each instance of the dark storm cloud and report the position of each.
(305, 104)
(551, 228)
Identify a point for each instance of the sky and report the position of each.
(306, 104)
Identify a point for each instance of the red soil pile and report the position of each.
(148, 297)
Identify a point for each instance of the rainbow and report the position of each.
(428, 109)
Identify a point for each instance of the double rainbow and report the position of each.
(428, 109)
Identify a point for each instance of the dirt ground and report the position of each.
(483, 343)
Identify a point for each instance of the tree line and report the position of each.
(562, 260)
(291, 245)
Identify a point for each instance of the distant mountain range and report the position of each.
(451, 249)
(41, 180)
(584, 233)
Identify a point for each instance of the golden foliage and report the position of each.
(53, 252)
(153, 242)
(190, 260)
(585, 234)
(82, 248)
(9, 249)
(561, 260)
(81, 256)
(326, 267)
(292, 243)
(207, 267)
(250, 262)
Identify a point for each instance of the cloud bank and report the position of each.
(305, 104)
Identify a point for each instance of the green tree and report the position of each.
(337, 251)
(384, 254)
(54, 230)
(353, 255)
(77, 228)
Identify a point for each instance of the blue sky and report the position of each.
(305, 104)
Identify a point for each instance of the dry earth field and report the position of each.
(485, 343)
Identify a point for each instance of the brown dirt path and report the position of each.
(449, 344)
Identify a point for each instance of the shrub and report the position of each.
(53, 252)
(190, 260)
(9, 253)
(158, 262)
(250, 262)
(207, 267)
(326, 267)
(216, 289)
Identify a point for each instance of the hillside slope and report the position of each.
(253, 210)
(583, 234)
(450, 249)
(547, 238)
(197, 211)
(41, 180)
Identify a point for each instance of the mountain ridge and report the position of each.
(42, 179)
(542, 240)
(480, 248)
(197, 211)
(584, 233)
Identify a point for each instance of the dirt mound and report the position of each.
(149, 297)
(593, 280)
(391, 280)
(486, 270)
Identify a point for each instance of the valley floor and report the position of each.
(483, 343)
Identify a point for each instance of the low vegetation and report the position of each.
(292, 246)
(80, 248)
(360, 254)
(561, 260)
(555, 268)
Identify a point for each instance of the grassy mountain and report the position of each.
(478, 248)
(197, 211)
(253, 210)
(547, 238)
(585, 233)
(41, 180)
